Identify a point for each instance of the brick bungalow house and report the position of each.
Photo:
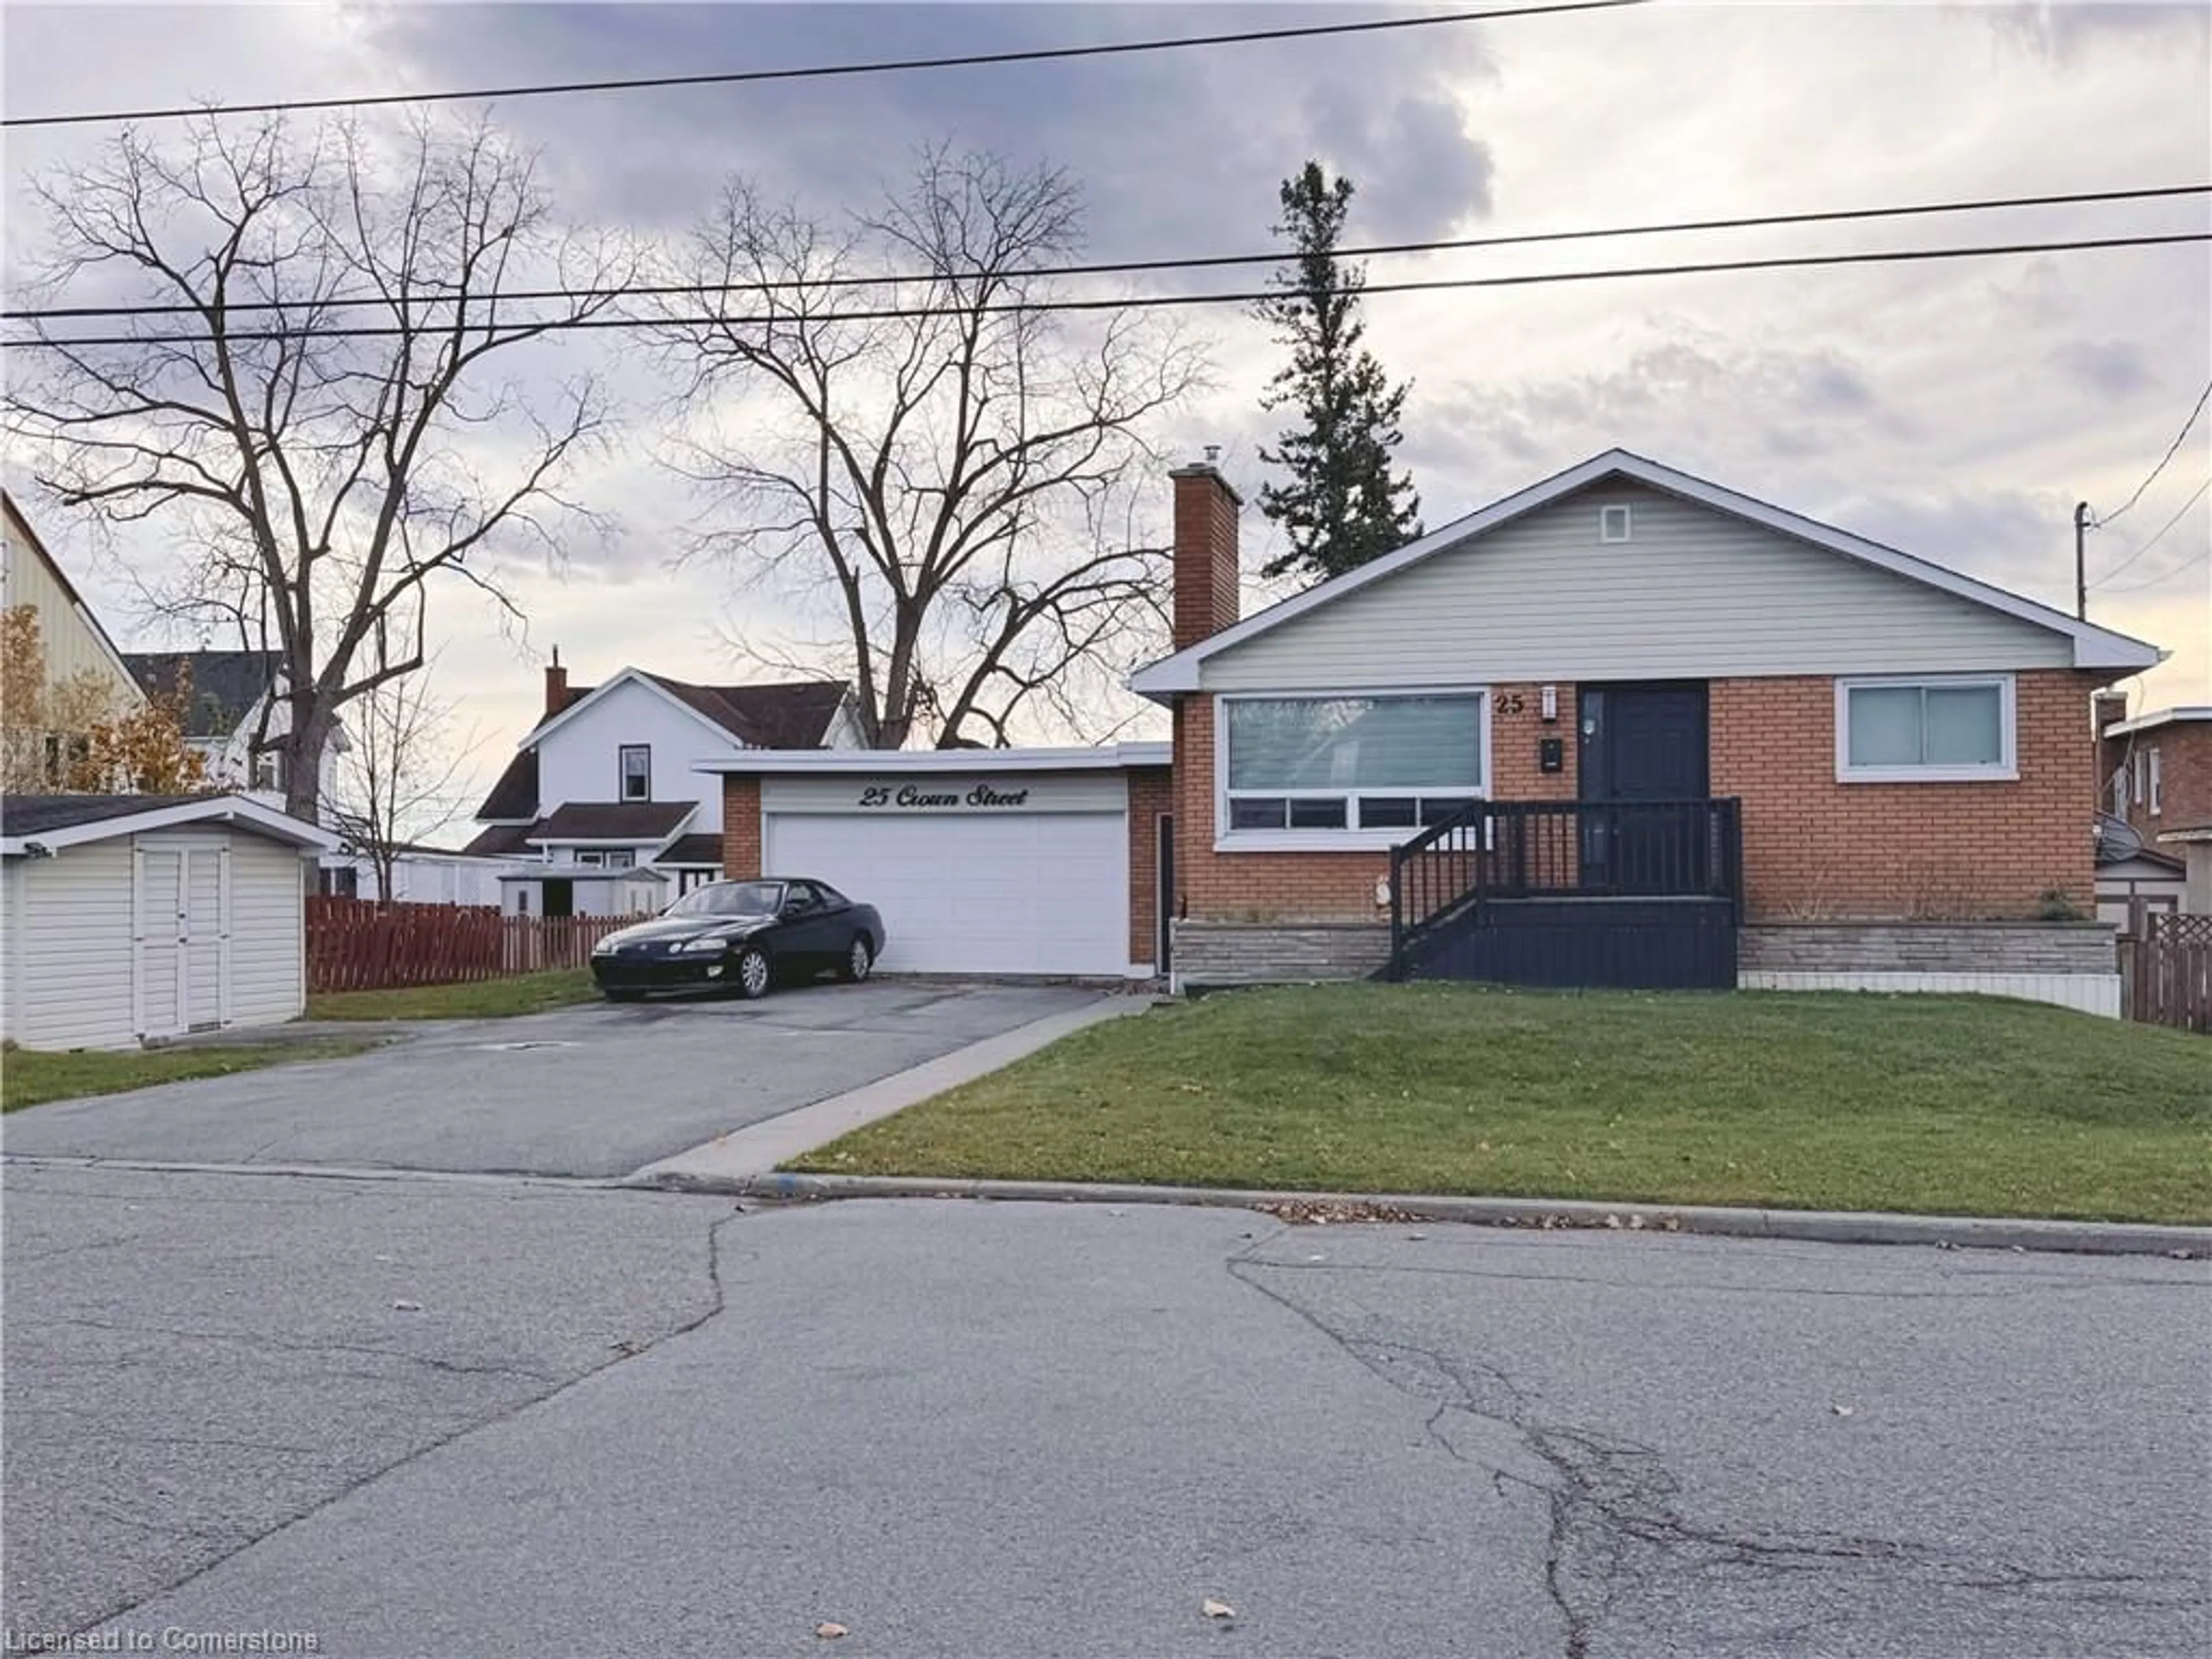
(1832, 762)
(2157, 769)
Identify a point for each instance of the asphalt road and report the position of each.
(596, 1090)
(963, 1429)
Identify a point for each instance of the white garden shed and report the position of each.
(130, 919)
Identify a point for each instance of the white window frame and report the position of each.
(1226, 839)
(2004, 770)
(1617, 514)
(622, 752)
(2151, 791)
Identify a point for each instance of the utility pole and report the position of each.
(2080, 562)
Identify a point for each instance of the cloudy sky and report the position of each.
(1956, 409)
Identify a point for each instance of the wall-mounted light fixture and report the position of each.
(1551, 703)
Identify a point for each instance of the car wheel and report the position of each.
(752, 974)
(623, 994)
(857, 960)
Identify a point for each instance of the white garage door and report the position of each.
(1028, 893)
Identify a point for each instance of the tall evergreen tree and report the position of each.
(1342, 506)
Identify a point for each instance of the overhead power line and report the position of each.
(2172, 449)
(2156, 536)
(2163, 576)
(827, 71)
(1131, 267)
(896, 313)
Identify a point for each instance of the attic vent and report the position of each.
(1612, 524)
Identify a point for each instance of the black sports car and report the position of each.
(741, 934)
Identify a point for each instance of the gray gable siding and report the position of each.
(1692, 594)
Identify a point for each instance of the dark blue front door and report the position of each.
(1645, 744)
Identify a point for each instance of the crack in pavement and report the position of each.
(1614, 1522)
(259, 1339)
(231, 1543)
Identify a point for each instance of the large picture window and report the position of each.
(1928, 730)
(1374, 768)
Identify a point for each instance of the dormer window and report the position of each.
(637, 771)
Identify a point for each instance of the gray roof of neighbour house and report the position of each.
(697, 851)
(225, 684)
(31, 815)
(612, 820)
(792, 715)
(501, 841)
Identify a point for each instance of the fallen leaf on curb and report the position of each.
(1214, 1609)
(405, 1306)
(1320, 1212)
(1613, 1222)
(828, 1630)
(1843, 1410)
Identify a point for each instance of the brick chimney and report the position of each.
(556, 685)
(1206, 567)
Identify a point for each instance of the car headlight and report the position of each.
(712, 943)
(605, 947)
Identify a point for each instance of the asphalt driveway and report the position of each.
(594, 1091)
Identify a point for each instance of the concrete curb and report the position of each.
(1824, 1226)
(747, 1154)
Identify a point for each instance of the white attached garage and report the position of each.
(134, 918)
(1006, 861)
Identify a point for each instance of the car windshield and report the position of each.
(731, 898)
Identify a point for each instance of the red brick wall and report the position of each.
(2184, 775)
(741, 828)
(1151, 792)
(1813, 846)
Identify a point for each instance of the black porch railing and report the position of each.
(1601, 849)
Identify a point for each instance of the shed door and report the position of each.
(181, 916)
(205, 941)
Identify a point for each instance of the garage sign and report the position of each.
(948, 795)
(926, 799)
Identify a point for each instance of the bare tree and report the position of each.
(327, 427)
(401, 777)
(955, 484)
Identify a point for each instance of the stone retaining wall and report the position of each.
(1927, 947)
(1261, 953)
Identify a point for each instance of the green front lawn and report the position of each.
(488, 998)
(1943, 1104)
(28, 1078)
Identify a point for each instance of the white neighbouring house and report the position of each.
(130, 919)
(235, 715)
(603, 811)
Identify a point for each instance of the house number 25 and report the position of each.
(1508, 702)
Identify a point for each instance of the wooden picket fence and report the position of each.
(2165, 971)
(357, 944)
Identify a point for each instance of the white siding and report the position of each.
(267, 948)
(75, 948)
(1693, 593)
(11, 945)
(582, 760)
